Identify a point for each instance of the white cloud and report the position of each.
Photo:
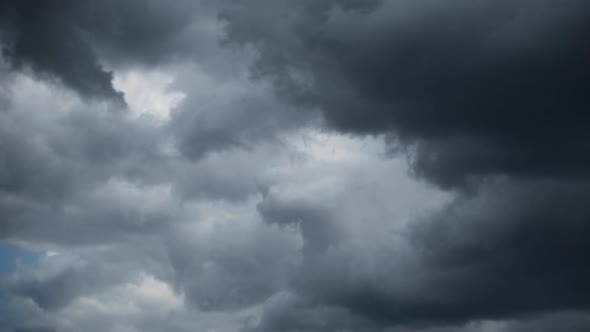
(148, 92)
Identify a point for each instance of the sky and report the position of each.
(294, 166)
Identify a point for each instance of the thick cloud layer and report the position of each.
(477, 87)
(61, 39)
(42, 36)
(316, 165)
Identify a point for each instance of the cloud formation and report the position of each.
(477, 88)
(315, 165)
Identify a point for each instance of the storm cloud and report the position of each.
(315, 165)
(476, 88)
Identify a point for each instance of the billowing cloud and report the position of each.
(43, 37)
(477, 88)
(316, 165)
(72, 42)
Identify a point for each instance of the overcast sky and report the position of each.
(295, 166)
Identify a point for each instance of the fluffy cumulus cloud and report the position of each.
(294, 166)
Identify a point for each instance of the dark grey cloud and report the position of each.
(216, 217)
(478, 88)
(516, 247)
(488, 96)
(44, 37)
(63, 40)
(511, 251)
(563, 321)
(566, 322)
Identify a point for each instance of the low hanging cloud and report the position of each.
(43, 37)
(486, 96)
(478, 88)
(325, 165)
(63, 39)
